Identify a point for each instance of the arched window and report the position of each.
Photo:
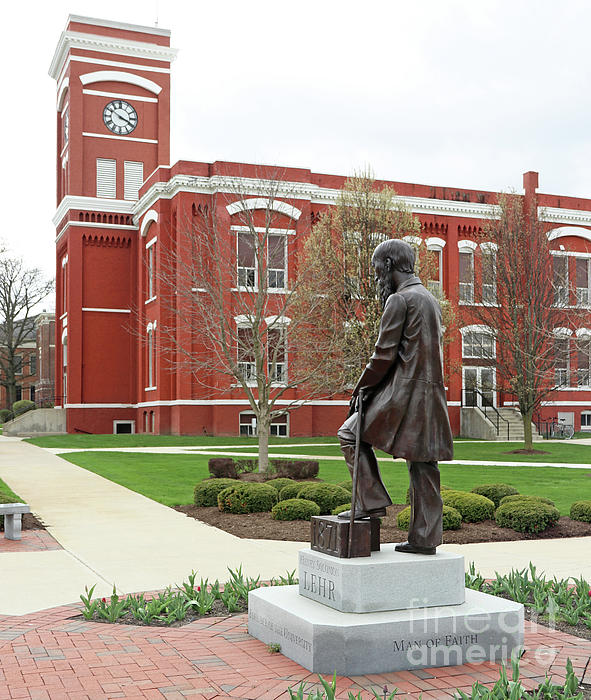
(151, 355)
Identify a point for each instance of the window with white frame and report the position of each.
(586, 421)
(64, 284)
(562, 360)
(247, 424)
(560, 274)
(246, 259)
(246, 355)
(582, 281)
(267, 247)
(151, 269)
(435, 283)
(276, 355)
(106, 178)
(583, 360)
(478, 343)
(133, 179)
(489, 274)
(466, 276)
(276, 266)
(65, 367)
(151, 355)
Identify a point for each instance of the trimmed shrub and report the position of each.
(348, 485)
(247, 498)
(295, 509)
(581, 510)
(20, 407)
(526, 516)
(295, 469)
(452, 520)
(246, 466)
(280, 484)
(441, 488)
(206, 492)
(290, 491)
(327, 496)
(340, 509)
(222, 468)
(6, 415)
(471, 506)
(495, 492)
(522, 497)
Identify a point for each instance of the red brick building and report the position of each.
(120, 205)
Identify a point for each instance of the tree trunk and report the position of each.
(263, 433)
(527, 435)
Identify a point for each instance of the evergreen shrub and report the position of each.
(522, 497)
(291, 491)
(472, 507)
(247, 498)
(348, 485)
(222, 468)
(20, 407)
(452, 520)
(340, 509)
(280, 484)
(526, 516)
(206, 492)
(327, 496)
(6, 415)
(295, 509)
(495, 492)
(581, 510)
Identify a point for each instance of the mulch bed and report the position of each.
(260, 526)
(30, 522)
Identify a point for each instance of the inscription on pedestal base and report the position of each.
(484, 628)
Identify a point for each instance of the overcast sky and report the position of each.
(460, 93)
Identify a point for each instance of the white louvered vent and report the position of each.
(133, 174)
(106, 181)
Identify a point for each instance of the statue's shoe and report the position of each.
(363, 514)
(414, 549)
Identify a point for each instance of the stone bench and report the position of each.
(13, 519)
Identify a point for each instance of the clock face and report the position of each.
(120, 117)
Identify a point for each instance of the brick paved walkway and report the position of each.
(50, 656)
(31, 541)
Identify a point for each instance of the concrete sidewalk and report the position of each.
(112, 535)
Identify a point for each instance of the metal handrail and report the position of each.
(486, 405)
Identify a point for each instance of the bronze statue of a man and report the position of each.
(405, 413)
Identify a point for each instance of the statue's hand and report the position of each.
(352, 406)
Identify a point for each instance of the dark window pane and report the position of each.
(246, 250)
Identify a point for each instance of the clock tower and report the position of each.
(113, 131)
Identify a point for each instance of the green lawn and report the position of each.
(5, 490)
(170, 479)
(143, 440)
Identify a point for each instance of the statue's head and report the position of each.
(393, 262)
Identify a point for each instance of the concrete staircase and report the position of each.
(475, 424)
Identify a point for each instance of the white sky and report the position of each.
(460, 93)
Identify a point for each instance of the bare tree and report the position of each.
(230, 297)
(22, 289)
(337, 276)
(524, 302)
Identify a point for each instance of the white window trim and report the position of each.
(255, 287)
(151, 217)
(469, 250)
(123, 422)
(151, 242)
(263, 229)
(466, 246)
(434, 243)
(475, 328)
(481, 367)
(264, 203)
(413, 240)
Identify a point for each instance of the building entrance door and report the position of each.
(478, 386)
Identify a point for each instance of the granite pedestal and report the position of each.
(388, 612)
(323, 640)
(388, 580)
